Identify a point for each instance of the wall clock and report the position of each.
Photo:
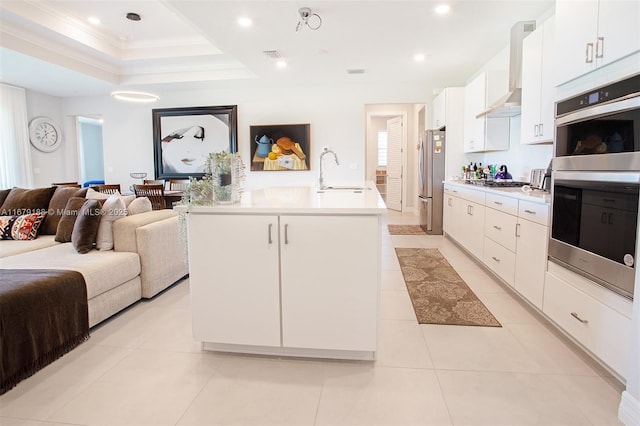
(45, 134)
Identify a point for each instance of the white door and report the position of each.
(394, 164)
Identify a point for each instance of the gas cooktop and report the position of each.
(497, 183)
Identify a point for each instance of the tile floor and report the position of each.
(143, 368)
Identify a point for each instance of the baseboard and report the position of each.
(629, 409)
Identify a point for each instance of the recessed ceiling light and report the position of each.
(281, 64)
(244, 21)
(130, 96)
(442, 9)
(93, 20)
(419, 57)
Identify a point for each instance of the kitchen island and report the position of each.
(288, 271)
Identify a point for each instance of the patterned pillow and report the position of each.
(21, 227)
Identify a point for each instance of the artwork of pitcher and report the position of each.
(264, 146)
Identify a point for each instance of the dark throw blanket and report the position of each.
(43, 315)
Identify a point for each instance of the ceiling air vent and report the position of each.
(356, 71)
(273, 54)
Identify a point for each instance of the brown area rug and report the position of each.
(438, 294)
(405, 230)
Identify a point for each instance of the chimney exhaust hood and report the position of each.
(509, 104)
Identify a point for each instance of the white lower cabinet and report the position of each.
(531, 260)
(600, 328)
(307, 282)
(500, 260)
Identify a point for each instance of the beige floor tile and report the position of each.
(392, 279)
(553, 354)
(254, 391)
(146, 387)
(365, 395)
(476, 348)
(480, 282)
(396, 305)
(596, 399)
(9, 421)
(401, 344)
(507, 310)
(49, 389)
(172, 332)
(491, 398)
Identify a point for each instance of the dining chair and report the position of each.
(154, 192)
(178, 184)
(108, 188)
(74, 184)
(153, 182)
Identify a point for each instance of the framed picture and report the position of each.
(184, 137)
(280, 147)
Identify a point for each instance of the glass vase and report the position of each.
(225, 179)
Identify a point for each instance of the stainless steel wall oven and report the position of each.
(596, 183)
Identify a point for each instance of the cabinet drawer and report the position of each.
(474, 195)
(535, 212)
(499, 260)
(603, 331)
(502, 203)
(501, 228)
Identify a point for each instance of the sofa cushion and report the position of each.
(92, 194)
(11, 247)
(112, 210)
(21, 227)
(139, 205)
(3, 195)
(23, 201)
(56, 208)
(83, 236)
(124, 230)
(68, 219)
(102, 270)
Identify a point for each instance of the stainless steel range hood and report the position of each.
(509, 104)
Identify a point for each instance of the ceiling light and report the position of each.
(129, 96)
(442, 9)
(245, 21)
(93, 20)
(281, 64)
(418, 57)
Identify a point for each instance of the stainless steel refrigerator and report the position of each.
(431, 176)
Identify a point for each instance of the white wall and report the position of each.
(336, 114)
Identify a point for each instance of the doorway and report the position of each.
(90, 150)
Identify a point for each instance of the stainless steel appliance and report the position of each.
(431, 177)
(595, 184)
(600, 129)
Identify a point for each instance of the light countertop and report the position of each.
(301, 200)
(535, 195)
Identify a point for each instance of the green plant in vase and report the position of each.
(227, 174)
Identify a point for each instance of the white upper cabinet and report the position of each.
(537, 116)
(485, 134)
(593, 33)
(440, 110)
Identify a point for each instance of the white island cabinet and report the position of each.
(288, 271)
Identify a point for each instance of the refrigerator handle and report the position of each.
(421, 165)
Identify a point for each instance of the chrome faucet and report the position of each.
(326, 151)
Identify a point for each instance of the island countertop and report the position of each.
(301, 200)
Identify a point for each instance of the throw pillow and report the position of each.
(3, 195)
(112, 210)
(85, 229)
(24, 201)
(92, 194)
(139, 205)
(21, 227)
(128, 199)
(57, 206)
(68, 219)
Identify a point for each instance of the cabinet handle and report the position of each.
(497, 202)
(599, 47)
(575, 315)
(517, 229)
(496, 259)
(497, 227)
(589, 53)
(535, 130)
(470, 210)
(540, 129)
(270, 239)
(449, 200)
(455, 191)
(530, 211)
(286, 233)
